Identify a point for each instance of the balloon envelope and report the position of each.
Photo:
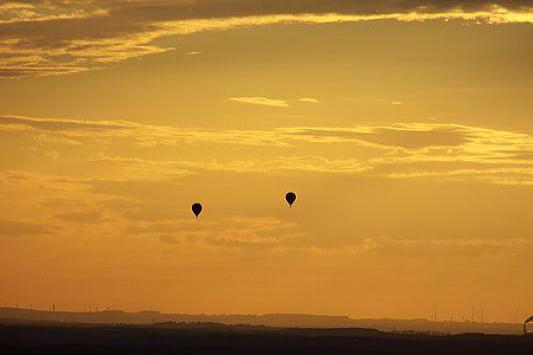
(196, 209)
(290, 197)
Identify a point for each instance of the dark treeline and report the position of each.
(176, 338)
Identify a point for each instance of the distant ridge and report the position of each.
(275, 320)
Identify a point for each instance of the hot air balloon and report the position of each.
(196, 209)
(290, 197)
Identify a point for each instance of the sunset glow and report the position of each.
(404, 127)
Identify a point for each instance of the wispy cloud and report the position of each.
(396, 151)
(242, 232)
(114, 30)
(310, 100)
(69, 131)
(12, 228)
(449, 248)
(260, 100)
(308, 163)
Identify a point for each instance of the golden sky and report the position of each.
(404, 127)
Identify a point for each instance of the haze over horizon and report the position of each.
(404, 128)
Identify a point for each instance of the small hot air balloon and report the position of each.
(196, 209)
(290, 197)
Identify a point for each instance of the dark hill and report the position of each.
(223, 339)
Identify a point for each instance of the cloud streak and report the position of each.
(450, 248)
(12, 228)
(309, 163)
(397, 151)
(309, 100)
(240, 232)
(260, 100)
(76, 36)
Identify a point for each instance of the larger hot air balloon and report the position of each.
(290, 197)
(196, 209)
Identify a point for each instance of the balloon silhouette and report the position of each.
(290, 197)
(196, 209)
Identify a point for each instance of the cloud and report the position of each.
(442, 247)
(69, 131)
(76, 36)
(55, 124)
(399, 135)
(146, 209)
(401, 150)
(240, 232)
(168, 239)
(39, 180)
(22, 228)
(412, 135)
(260, 100)
(305, 163)
(253, 232)
(308, 100)
(39, 11)
(88, 216)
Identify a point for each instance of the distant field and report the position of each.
(171, 338)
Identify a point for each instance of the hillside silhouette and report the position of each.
(270, 320)
(212, 338)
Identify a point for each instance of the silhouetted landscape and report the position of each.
(266, 177)
(270, 320)
(212, 338)
(30, 331)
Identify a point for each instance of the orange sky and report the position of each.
(404, 129)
